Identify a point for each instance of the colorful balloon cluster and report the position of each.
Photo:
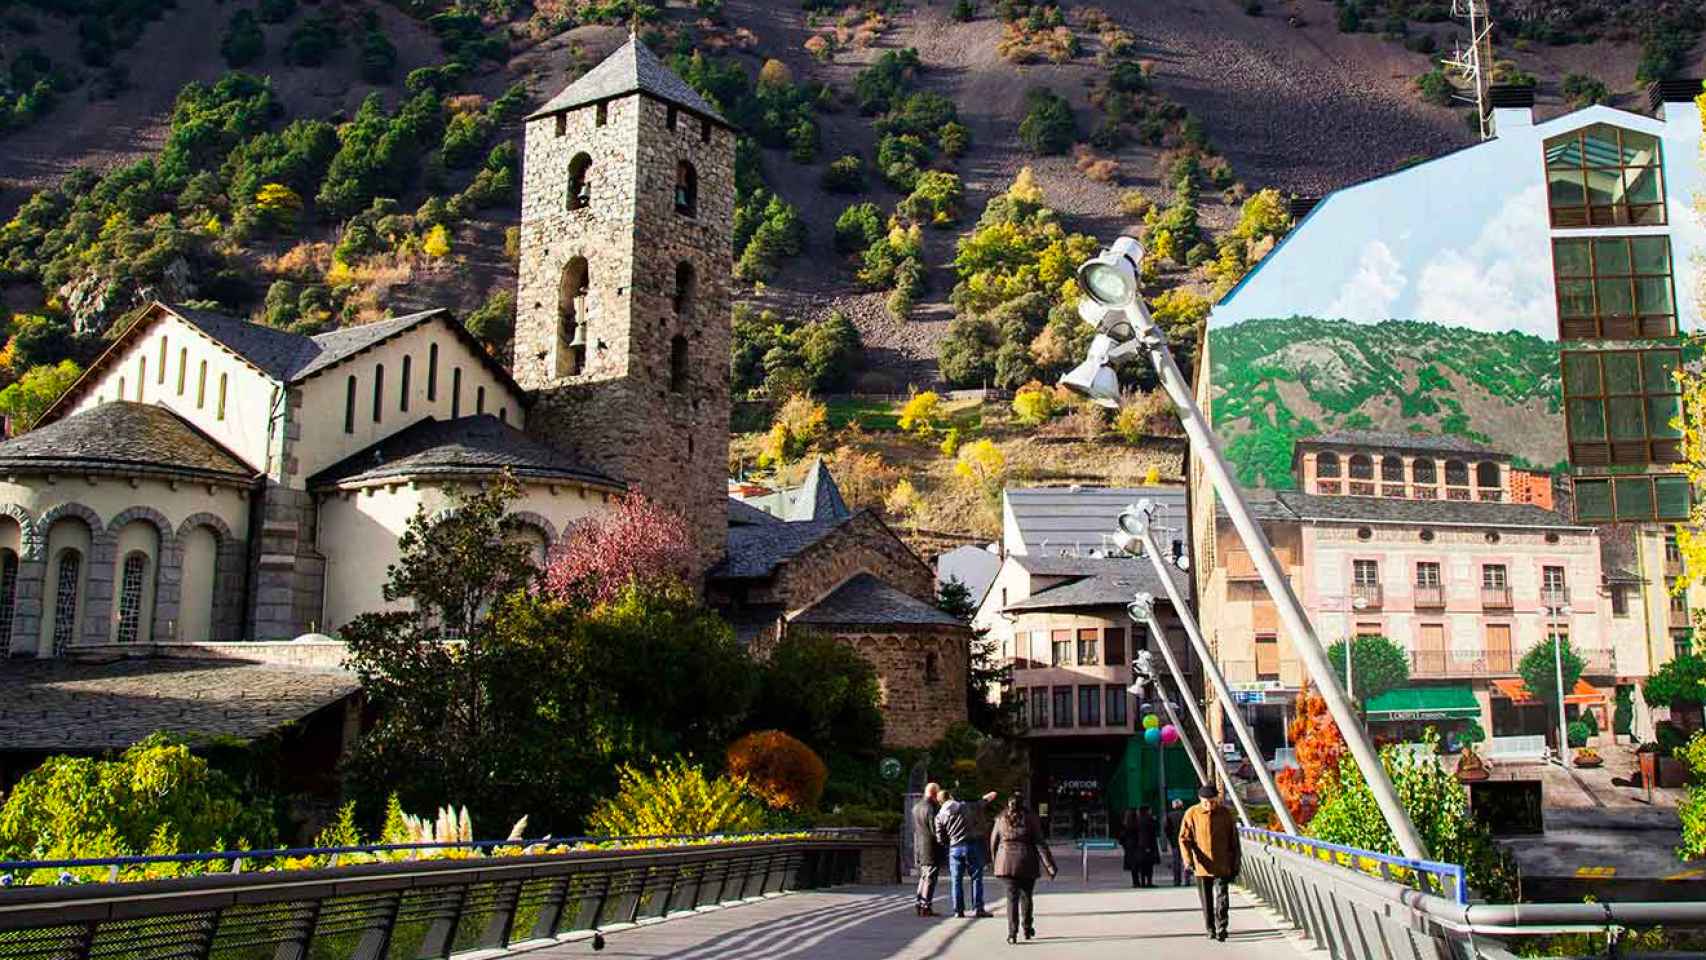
(1155, 733)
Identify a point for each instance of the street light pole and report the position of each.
(1142, 610)
(1559, 610)
(1146, 532)
(1184, 741)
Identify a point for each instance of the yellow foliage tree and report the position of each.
(982, 465)
(437, 242)
(799, 425)
(1025, 188)
(921, 413)
(1034, 403)
(775, 75)
(675, 798)
(904, 501)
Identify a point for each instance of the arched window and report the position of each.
(68, 573)
(1392, 469)
(1327, 465)
(1487, 474)
(432, 374)
(349, 404)
(678, 364)
(685, 282)
(479, 401)
(201, 386)
(455, 392)
(8, 599)
(160, 375)
(183, 367)
(131, 578)
(378, 391)
(1422, 471)
(403, 386)
(1456, 473)
(686, 189)
(572, 317)
(141, 376)
(1362, 468)
(222, 379)
(580, 185)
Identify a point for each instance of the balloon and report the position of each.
(1151, 722)
(1152, 736)
(1169, 735)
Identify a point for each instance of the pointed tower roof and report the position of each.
(818, 498)
(633, 68)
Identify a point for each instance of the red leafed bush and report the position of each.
(1319, 745)
(778, 769)
(599, 556)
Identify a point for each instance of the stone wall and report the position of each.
(879, 864)
(629, 412)
(863, 543)
(288, 572)
(922, 675)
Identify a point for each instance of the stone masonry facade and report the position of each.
(649, 401)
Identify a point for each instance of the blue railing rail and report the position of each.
(236, 859)
(1426, 876)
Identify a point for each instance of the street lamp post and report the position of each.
(1123, 328)
(1559, 610)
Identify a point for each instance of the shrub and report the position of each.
(464, 139)
(243, 43)
(493, 321)
(1435, 87)
(1034, 403)
(1692, 810)
(378, 56)
(964, 10)
(953, 137)
(778, 769)
(822, 691)
(1134, 204)
(983, 466)
(1578, 733)
(845, 174)
(437, 242)
(800, 424)
(312, 41)
(921, 413)
(1582, 90)
(802, 141)
(935, 199)
(675, 797)
(30, 396)
(1048, 127)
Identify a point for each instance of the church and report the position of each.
(210, 480)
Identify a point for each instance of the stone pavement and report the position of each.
(1101, 921)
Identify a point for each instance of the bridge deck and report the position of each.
(1105, 919)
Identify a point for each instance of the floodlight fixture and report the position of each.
(1128, 543)
(1135, 518)
(1141, 606)
(1110, 277)
(1095, 377)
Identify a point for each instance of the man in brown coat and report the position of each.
(1209, 840)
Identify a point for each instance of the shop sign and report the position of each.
(1078, 785)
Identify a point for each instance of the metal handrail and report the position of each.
(1449, 877)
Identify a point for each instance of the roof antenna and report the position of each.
(1476, 61)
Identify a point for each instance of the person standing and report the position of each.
(1148, 846)
(1018, 852)
(1173, 821)
(955, 824)
(1128, 847)
(928, 855)
(1208, 838)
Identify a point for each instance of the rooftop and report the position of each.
(66, 704)
(1291, 505)
(1394, 440)
(756, 550)
(1076, 519)
(633, 68)
(457, 447)
(864, 599)
(818, 497)
(1094, 582)
(125, 435)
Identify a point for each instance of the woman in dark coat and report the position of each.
(1140, 838)
(1019, 851)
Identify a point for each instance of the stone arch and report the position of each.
(29, 534)
(686, 189)
(538, 523)
(1392, 469)
(1361, 467)
(223, 583)
(1423, 471)
(94, 594)
(1456, 473)
(573, 316)
(168, 574)
(580, 181)
(83, 512)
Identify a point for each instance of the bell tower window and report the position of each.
(572, 314)
(580, 189)
(678, 364)
(684, 286)
(686, 189)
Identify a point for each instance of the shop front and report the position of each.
(1517, 712)
(1404, 714)
(1071, 787)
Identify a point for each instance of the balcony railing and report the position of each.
(1368, 593)
(1554, 596)
(1461, 662)
(1489, 494)
(1499, 597)
(1430, 595)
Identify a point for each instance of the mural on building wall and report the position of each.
(1425, 301)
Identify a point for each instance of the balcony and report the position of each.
(1598, 661)
(1498, 598)
(1554, 596)
(1368, 593)
(1430, 595)
(1673, 564)
(1461, 663)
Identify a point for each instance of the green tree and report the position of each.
(1381, 665)
(243, 43)
(493, 321)
(1680, 684)
(31, 396)
(823, 692)
(857, 228)
(1692, 810)
(1049, 126)
(1538, 669)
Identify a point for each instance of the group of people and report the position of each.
(956, 834)
(953, 833)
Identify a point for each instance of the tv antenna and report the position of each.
(1475, 62)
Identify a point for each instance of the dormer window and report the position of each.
(1605, 176)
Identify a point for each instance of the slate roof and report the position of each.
(742, 513)
(756, 550)
(864, 599)
(464, 445)
(632, 68)
(64, 704)
(1290, 505)
(1098, 583)
(124, 435)
(1078, 519)
(1393, 440)
(818, 497)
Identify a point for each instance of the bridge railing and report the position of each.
(413, 908)
(1358, 914)
(1427, 876)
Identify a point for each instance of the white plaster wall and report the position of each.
(195, 603)
(248, 392)
(323, 441)
(359, 531)
(111, 496)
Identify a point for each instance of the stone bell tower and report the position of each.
(622, 312)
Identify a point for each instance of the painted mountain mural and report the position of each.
(1278, 379)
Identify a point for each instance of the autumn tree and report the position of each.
(638, 542)
(1319, 745)
(26, 400)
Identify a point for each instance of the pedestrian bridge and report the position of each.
(822, 895)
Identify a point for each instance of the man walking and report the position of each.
(957, 829)
(927, 853)
(1209, 840)
(1174, 820)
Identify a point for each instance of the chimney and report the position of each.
(1511, 105)
(1662, 94)
(1299, 207)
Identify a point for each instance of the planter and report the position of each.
(1672, 772)
(1589, 761)
(1649, 761)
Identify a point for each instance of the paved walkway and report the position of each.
(1106, 919)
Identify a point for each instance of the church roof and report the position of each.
(756, 550)
(124, 435)
(742, 513)
(480, 444)
(818, 498)
(865, 599)
(633, 68)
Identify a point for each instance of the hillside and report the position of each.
(1279, 379)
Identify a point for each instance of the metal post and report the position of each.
(1184, 741)
(1207, 447)
(1242, 729)
(1558, 665)
(1191, 707)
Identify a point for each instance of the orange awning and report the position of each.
(1514, 690)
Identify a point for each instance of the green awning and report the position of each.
(1424, 703)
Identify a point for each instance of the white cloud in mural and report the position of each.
(1370, 293)
(1501, 281)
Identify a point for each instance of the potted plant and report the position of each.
(1588, 757)
(1471, 766)
(1671, 771)
(1647, 755)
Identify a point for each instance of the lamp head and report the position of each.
(1141, 607)
(1110, 277)
(1135, 518)
(1128, 543)
(1095, 378)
